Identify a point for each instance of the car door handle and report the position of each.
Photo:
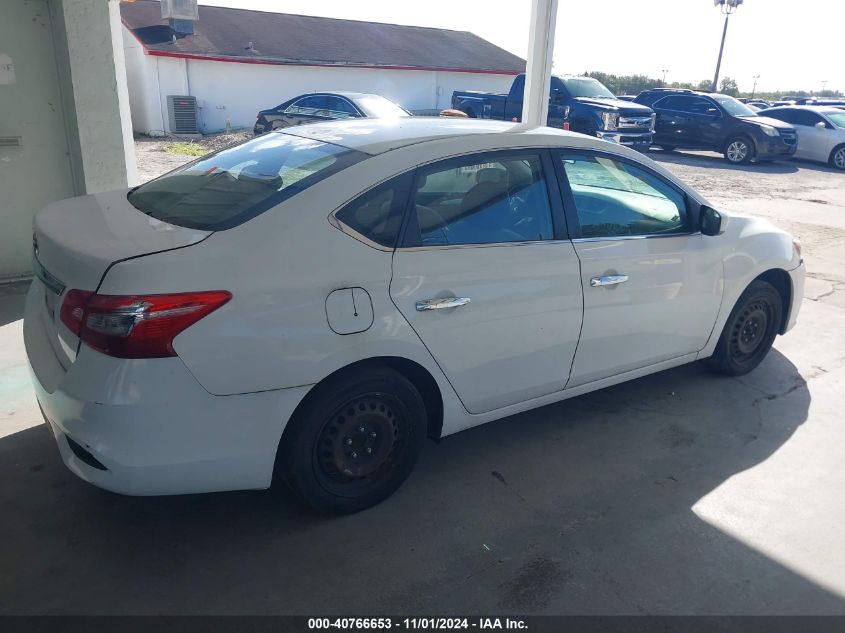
(608, 280)
(441, 304)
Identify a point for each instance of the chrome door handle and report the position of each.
(441, 304)
(608, 280)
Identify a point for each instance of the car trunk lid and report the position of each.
(76, 240)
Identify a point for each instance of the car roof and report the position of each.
(375, 136)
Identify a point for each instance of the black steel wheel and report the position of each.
(355, 441)
(749, 331)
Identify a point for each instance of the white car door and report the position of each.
(652, 283)
(486, 277)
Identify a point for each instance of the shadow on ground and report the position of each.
(578, 507)
(717, 161)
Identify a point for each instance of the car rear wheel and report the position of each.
(749, 332)
(837, 157)
(739, 151)
(355, 441)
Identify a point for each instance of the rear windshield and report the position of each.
(231, 186)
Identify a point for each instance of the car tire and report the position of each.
(354, 442)
(667, 148)
(749, 331)
(837, 157)
(739, 150)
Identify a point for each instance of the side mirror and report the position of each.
(711, 221)
(820, 125)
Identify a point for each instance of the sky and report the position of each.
(791, 44)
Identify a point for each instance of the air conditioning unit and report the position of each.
(180, 9)
(182, 113)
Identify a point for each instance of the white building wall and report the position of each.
(234, 92)
(141, 73)
(62, 104)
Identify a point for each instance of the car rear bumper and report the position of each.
(147, 427)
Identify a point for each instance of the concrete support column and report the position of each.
(95, 93)
(538, 71)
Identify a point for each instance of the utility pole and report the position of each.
(824, 87)
(727, 7)
(754, 89)
(538, 69)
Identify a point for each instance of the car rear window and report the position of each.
(238, 183)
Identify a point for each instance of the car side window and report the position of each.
(614, 198)
(805, 117)
(787, 116)
(377, 213)
(342, 106)
(307, 105)
(697, 105)
(676, 103)
(485, 199)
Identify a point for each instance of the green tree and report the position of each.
(705, 85)
(729, 87)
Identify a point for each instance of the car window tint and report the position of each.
(788, 116)
(615, 198)
(677, 103)
(696, 105)
(341, 105)
(497, 198)
(308, 105)
(377, 214)
(805, 117)
(231, 186)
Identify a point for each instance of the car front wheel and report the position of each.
(749, 332)
(739, 151)
(355, 441)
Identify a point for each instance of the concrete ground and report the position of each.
(679, 493)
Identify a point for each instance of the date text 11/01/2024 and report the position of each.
(431, 623)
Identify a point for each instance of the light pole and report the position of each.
(727, 7)
(664, 71)
(824, 87)
(754, 89)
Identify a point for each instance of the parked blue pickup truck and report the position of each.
(581, 102)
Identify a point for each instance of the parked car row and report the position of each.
(666, 117)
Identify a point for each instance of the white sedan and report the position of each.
(308, 306)
(821, 132)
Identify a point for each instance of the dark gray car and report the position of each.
(326, 106)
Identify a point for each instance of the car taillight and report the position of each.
(73, 309)
(136, 326)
